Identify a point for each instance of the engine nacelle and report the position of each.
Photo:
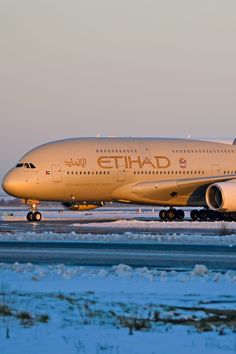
(222, 196)
(81, 207)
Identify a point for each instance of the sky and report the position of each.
(115, 68)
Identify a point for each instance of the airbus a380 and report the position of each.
(84, 173)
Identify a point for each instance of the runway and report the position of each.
(113, 236)
(114, 225)
(108, 254)
(106, 220)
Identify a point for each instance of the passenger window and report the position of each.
(32, 165)
(26, 165)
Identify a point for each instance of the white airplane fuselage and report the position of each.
(154, 171)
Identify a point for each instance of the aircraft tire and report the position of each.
(233, 216)
(194, 214)
(163, 215)
(37, 216)
(215, 216)
(171, 214)
(226, 217)
(29, 216)
(212, 215)
(203, 215)
(180, 215)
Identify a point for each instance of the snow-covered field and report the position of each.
(59, 309)
(120, 309)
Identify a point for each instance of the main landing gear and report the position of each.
(211, 215)
(196, 215)
(171, 214)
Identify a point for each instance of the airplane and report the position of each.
(85, 173)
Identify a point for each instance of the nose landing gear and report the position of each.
(33, 215)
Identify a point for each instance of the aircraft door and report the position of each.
(121, 172)
(121, 175)
(56, 173)
(145, 151)
(215, 170)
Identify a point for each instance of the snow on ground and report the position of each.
(150, 225)
(117, 309)
(129, 237)
(120, 309)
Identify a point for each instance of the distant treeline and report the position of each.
(10, 202)
(14, 202)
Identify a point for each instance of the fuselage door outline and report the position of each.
(56, 173)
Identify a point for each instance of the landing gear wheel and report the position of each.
(171, 214)
(180, 214)
(233, 216)
(194, 214)
(226, 217)
(163, 215)
(37, 216)
(203, 215)
(213, 215)
(29, 216)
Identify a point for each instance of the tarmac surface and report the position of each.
(104, 223)
(107, 253)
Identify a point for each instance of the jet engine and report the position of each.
(222, 196)
(76, 206)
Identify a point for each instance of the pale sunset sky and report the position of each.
(122, 68)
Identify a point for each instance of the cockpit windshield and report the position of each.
(26, 165)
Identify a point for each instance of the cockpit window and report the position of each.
(26, 165)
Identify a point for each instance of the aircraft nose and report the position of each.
(10, 184)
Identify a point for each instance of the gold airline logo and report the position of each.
(79, 162)
(129, 162)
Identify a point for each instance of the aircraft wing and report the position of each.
(167, 192)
